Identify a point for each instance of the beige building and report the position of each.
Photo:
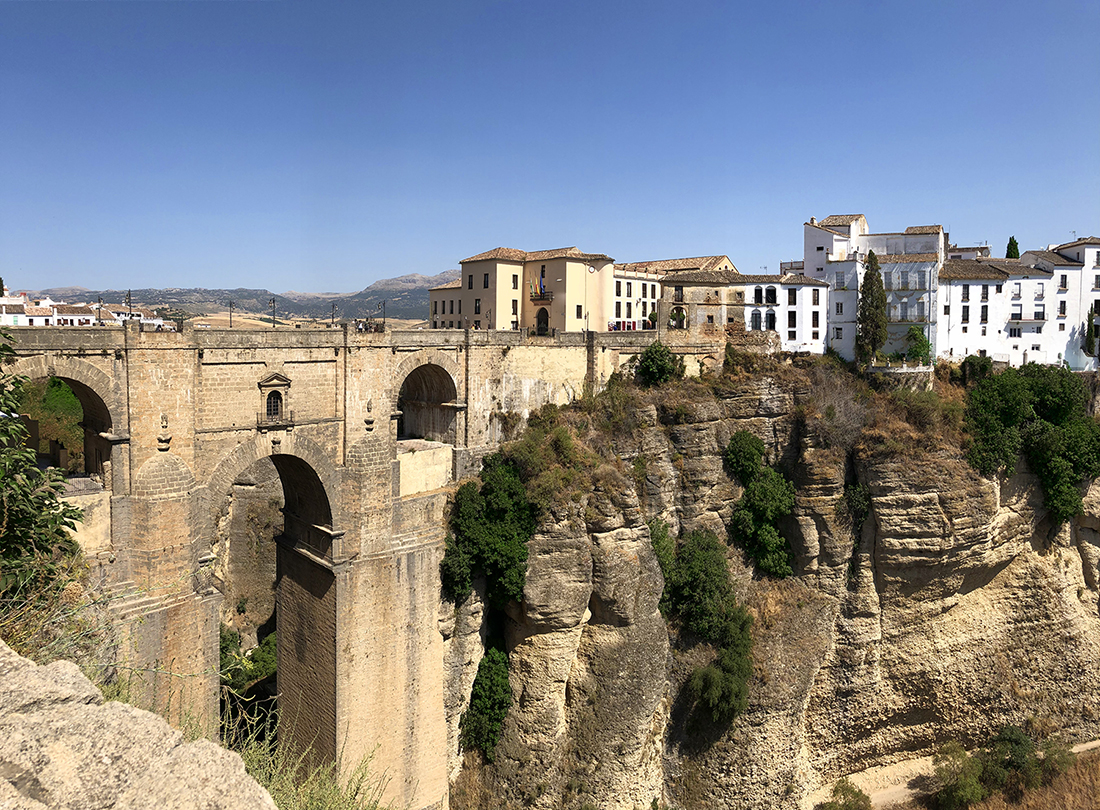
(561, 290)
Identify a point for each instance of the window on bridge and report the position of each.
(274, 406)
(427, 404)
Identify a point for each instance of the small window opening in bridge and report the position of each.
(274, 406)
(68, 425)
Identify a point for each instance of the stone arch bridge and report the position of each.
(172, 419)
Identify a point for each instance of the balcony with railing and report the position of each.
(542, 295)
(1022, 317)
(280, 418)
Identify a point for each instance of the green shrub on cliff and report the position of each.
(768, 497)
(1039, 412)
(699, 591)
(490, 699)
(847, 796)
(657, 364)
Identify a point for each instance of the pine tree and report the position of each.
(1013, 249)
(1090, 333)
(871, 321)
(1, 285)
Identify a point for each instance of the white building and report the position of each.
(793, 305)
(835, 251)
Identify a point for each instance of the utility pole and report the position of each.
(99, 311)
(230, 313)
(334, 314)
(272, 302)
(129, 306)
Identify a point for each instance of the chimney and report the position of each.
(813, 220)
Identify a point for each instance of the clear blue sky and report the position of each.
(320, 146)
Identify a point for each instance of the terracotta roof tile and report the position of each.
(919, 229)
(515, 255)
(839, 219)
(1055, 258)
(970, 269)
(1085, 240)
(703, 263)
(70, 309)
(450, 285)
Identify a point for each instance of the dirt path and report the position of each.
(889, 785)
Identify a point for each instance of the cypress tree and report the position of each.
(1090, 333)
(871, 321)
(1013, 249)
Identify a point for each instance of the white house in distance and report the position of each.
(835, 251)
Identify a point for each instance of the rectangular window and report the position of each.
(999, 286)
(813, 319)
(580, 312)
(1062, 308)
(628, 315)
(821, 247)
(904, 310)
(435, 324)
(815, 335)
(839, 307)
(452, 307)
(1039, 290)
(920, 280)
(1016, 289)
(629, 288)
(791, 335)
(652, 290)
(792, 297)
(966, 314)
(946, 309)
(816, 296)
(904, 280)
(710, 318)
(985, 313)
(838, 333)
(618, 288)
(1036, 347)
(966, 292)
(920, 310)
(1061, 327)
(1040, 313)
(435, 307)
(887, 280)
(618, 309)
(477, 306)
(515, 281)
(485, 282)
(459, 306)
(515, 307)
(985, 292)
(1096, 283)
(1063, 283)
(645, 305)
(470, 282)
(1014, 331)
(645, 288)
(477, 324)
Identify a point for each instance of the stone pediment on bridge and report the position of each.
(275, 380)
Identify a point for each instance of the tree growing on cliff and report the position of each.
(1041, 413)
(1013, 249)
(490, 699)
(918, 347)
(34, 521)
(871, 321)
(768, 497)
(658, 364)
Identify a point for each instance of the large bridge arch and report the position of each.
(105, 418)
(427, 395)
(307, 553)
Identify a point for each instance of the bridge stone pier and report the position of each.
(366, 432)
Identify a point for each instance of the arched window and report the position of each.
(769, 295)
(770, 320)
(274, 406)
(756, 322)
(758, 295)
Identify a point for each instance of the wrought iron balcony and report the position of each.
(544, 295)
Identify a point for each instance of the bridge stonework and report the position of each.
(173, 419)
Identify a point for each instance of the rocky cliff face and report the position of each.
(62, 746)
(958, 608)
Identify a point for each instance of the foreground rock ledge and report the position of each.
(62, 746)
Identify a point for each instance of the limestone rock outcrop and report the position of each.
(62, 746)
(957, 608)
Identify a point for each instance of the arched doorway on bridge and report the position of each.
(427, 404)
(70, 422)
(273, 552)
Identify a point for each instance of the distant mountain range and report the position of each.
(405, 297)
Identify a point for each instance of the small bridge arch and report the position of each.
(427, 398)
(104, 421)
